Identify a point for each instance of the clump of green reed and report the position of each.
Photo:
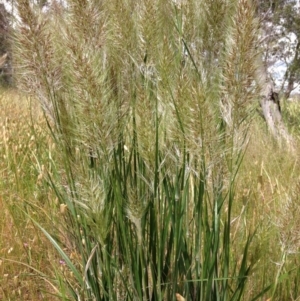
(148, 105)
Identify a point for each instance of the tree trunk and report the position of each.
(5, 53)
(269, 101)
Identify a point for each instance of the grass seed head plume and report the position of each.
(239, 64)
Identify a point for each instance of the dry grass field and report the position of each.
(27, 260)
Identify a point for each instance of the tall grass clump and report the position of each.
(148, 104)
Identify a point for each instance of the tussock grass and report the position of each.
(153, 179)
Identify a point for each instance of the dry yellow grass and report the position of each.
(268, 187)
(25, 254)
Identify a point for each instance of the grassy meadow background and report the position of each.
(134, 164)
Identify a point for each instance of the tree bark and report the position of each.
(5, 53)
(269, 102)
